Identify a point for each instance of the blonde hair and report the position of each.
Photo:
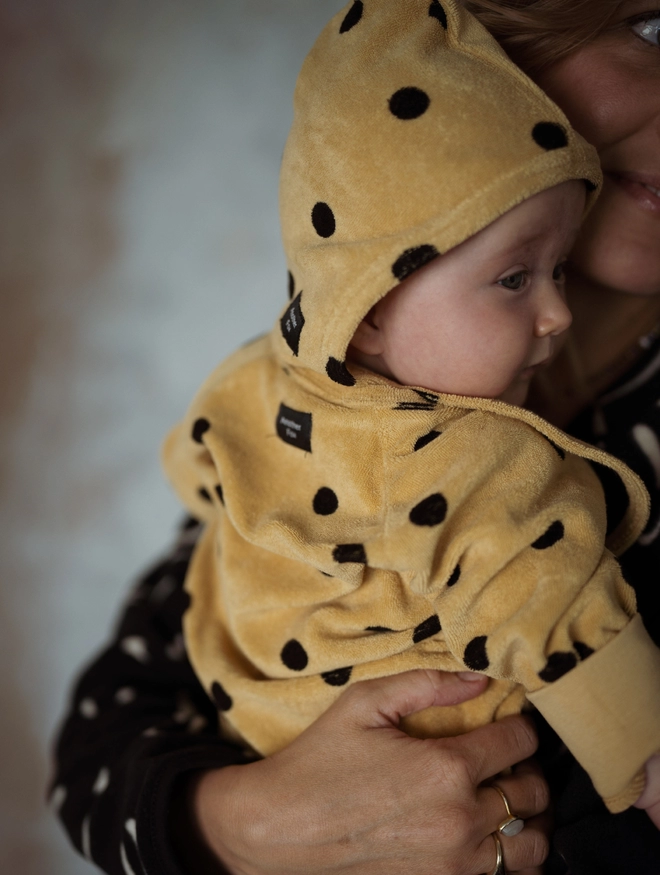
(536, 33)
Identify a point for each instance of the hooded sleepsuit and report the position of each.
(357, 528)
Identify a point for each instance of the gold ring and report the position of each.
(512, 823)
(499, 863)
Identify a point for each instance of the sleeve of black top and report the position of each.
(138, 722)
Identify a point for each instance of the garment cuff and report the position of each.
(162, 782)
(607, 712)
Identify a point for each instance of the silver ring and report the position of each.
(499, 863)
(512, 823)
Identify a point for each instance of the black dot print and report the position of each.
(292, 286)
(323, 220)
(549, 136)
(583, 650)
(350, 553)
(430, 627)
(220, 494)
(455, 576)
(293, 655)
(430, 512)
(426, 439)
(353, 17)
(204, 493)
(554, 533)
(412, 259)
(379, 629)
(590, 186)
(475, 656)
(325, 502)
(339, 373)
(221, 698)
(558, 664)
(337, 678)
(200, 428)
(409, 103)
(560, 452)
(436, 11)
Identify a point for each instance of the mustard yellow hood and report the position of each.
(412, 131)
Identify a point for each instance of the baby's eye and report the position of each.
(559, 273)
(648, 29)
(515, 281)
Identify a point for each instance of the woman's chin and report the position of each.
(619, 247)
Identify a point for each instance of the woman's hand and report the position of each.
(354, 794)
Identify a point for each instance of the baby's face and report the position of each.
(482, 318)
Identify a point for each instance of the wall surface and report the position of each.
(139, 244)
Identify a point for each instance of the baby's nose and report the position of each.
(554, 317)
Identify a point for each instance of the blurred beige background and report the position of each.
(139, 151)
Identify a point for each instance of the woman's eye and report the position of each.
(648, 29)
(559, 273)
(515, 282)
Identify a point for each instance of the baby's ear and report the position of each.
(368, 337)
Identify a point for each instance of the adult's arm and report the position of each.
(144, 784)
(138, 723)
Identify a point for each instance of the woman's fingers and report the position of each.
(526, 792)
(523, 853)
(384, 701)
(491, 749)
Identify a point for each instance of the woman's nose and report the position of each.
(553, 316)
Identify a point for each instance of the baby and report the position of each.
(376, 498)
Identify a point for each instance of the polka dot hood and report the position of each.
(357, 528)
(412, 131)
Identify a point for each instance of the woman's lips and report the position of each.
(642, 188)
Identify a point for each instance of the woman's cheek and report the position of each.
(619, 246)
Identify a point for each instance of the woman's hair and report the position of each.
(536, 33)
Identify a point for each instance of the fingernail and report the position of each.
(469, 675)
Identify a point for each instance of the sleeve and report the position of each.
(139, 722)
(541, 602)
